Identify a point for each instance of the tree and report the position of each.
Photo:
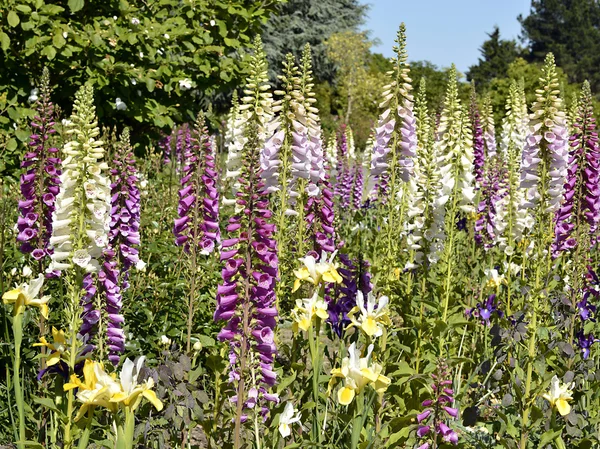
(571, 30)
(298, 22)
(496, 56)
(359, 83)
(152, 62)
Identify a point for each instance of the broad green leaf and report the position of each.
(76, 5)
(23, 8)
(13, 19)
(150, 84)
(58, 40)
(49, 51)
(4, 41)
(51, 10)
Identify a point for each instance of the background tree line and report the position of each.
(155, 63)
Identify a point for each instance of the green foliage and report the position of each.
(570, 31)
(298, 22)
(163, 59)
(359, 83)
(496, 56)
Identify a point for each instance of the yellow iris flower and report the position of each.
(370, 319)
(131, 391)
(27, 295)
(314, 271)
(105, 390)
(357, 374)
(559, 396)
(57, 347)
(306, 310)
(97, 388)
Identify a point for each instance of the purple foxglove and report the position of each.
(40, 183)
(478, 142)
(197, 228)
(581, 198)
(124, 240)
(246, 296)
(395, 132)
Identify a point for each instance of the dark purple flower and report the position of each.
(585, 342)
(342, 299)
(124, 238)
(40, 181)
(246, 296)
(197, 227)
(581, 198)
(478, 142)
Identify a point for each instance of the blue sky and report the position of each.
(443, 31)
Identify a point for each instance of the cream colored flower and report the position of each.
(27, 295)
(358, 373)
(286, 419)
(370, 319)
(307, 310)
(559, 396)
(314, 271)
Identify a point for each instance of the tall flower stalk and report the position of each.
(455, 158)
(79, 228)
(197, 227)
(246, 297)
(394, 150)
(122, 253)
(543, 175)
(40, 183)
(579, 214)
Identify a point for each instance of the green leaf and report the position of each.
(23, 8)
(4, 41)
(76, 5)
(12, 144)
(49, 51)
(22, 135)
(549, 436)
(13, 19)
(51, 10)
(58, 40)
(150, 84)
(46, 402)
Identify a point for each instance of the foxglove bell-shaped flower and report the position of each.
(124, 240)
(81, 219)
(581, 198)
(40, 183)
(547, 140)
(197, 228)
(246, 296)
(438, 410)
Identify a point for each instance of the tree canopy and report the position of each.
(571, 30)
(496, 56)
(298, 22)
